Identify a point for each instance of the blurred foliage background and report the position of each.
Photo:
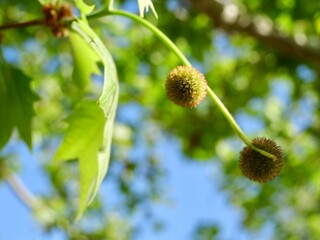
(261, 57)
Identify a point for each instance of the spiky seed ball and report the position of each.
(258, 167)
(55, 18)
(186, 86)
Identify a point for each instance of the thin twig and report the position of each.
(22, 24)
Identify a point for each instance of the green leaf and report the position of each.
(84, 7)
(91, 130)
(108, 100)
(85, 61)
(82, 141)
(16, 104)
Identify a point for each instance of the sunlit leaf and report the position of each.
(16, 104)
(85, 61)
(89, 135)
(108, 100)
(82, 141)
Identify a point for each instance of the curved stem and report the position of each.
(234, 124)
(148, 25)
(228, 116)
(181, 56)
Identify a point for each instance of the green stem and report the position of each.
(148, 25)
(234, 124)
(185, 61)
(228, 116)
(109, 4)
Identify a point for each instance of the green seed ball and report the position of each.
(258, 167)
(186, 86)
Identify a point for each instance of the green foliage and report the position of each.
(206, 232)
(83, 7)
(16, 104)
(93, 150)
(108, 101)
(277, 91)
(84, 68)
(82, 141)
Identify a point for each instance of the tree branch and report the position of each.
(22, 24)
(232, 18)
(21, 191)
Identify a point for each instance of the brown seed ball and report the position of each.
(65, 12)
(55, 18)
(50, 14)
(258, 167)
(186, 86)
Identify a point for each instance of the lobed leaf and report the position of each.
(85, 61)
(89, 135)
(82, 141)
(16, 104)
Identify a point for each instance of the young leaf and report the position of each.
(85, 61)
(82, 141)
(16, 104)
(83, 126)
(108, 100)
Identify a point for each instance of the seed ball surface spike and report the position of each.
(186, 86)
(258, 167)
